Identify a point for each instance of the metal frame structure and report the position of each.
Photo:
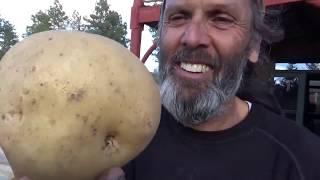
(302, 88)
(149, 15)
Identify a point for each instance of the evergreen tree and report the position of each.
(58, 16)
(107, 23)
(76, 21)
(41, 22)
(8, 36)
(52, 19)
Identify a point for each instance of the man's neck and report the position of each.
(235, 112)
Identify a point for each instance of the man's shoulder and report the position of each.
(285, 132)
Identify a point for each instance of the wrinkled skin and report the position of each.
(214, 33)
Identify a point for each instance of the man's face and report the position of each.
(204, 45)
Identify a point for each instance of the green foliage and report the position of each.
(52, 19)
(103, 21)
(76, 22)
(107, 23)
(41, 22)
(58, 16)
(8, 36)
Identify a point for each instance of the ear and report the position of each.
(254, 52)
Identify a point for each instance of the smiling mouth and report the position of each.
(195, 68)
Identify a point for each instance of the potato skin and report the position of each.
(74, 104)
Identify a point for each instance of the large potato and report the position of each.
(73, 104)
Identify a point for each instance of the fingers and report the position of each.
(113, 174)
(21, 178)
(24, 178)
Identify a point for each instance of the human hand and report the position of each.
(112, 174)
(22, 178)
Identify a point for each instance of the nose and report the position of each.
(195, 36)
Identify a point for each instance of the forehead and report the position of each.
(238, 5)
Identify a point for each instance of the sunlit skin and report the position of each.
(220, 27)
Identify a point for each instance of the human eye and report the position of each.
(222, 21)
(177, 19)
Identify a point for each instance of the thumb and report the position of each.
(21, 178)
(113, 174)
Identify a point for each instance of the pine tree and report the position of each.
(58, 16)
(41, 22)
(107, 23)
(76, 21)
(52, 19)
(8, 36)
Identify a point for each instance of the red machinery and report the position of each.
(149, 15)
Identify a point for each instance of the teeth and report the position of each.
(195, 68)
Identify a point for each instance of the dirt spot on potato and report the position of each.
(117, 90)
(77, 96)
(34, 68)
(26, 91)
(85, 119)
(94, 131)
(33, 102)
(50, 39)
(53, 122)
(98, 118)
(149, 124)
(61, 54)
(20, 99)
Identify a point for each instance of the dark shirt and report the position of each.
(264, 146)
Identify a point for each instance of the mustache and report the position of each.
(196, 56)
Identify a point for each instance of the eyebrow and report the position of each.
(213, 5)
(227, 7)
(176, 7)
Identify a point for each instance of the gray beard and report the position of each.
(209, 103)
